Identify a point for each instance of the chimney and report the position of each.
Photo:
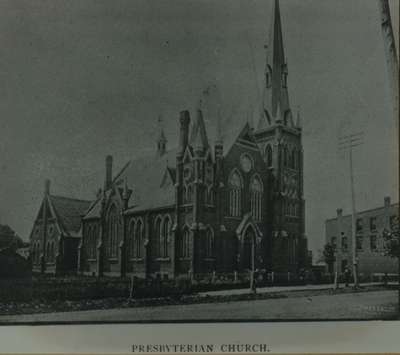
(47, 187)
(108, 179)
(184, 131)
(339, 212)
(387, 201)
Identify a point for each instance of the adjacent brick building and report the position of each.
(370, 225)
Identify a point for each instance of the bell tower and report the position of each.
(280, 140)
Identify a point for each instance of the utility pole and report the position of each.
(348, 143)
(391, 56)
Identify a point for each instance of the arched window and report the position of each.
(138, 239)
(165, 237)
(268, 155)
(285, 156)
(132, 239)
(235, 192)
(209, 247)
(157, 237)
(256, 191)
(112, 247)
(184, 194)
(293, 159)
(209, 196)
(184, 244)
(189, 195)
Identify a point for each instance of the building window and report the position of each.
(189, 194)
(372, 223)
(333, 242)
(235, 192)
(210, 196)
(184, 244)
(256, 190)
(268, 155)
(285, 156)
(359, 242)
(372, 242)
(91, 242)
(138, 239)
(158, 237)
(112, 247)
(131, 232)
(344, 243)
(209, 247)
(359, 225)
(165, 237)
(293, 159)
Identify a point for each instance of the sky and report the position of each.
(83, 79)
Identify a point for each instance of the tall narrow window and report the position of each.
(138, 239)
(256, 190)
(184, 244)
(268, 155)
(165, 236)
(209, 243)
(112, 229)
(235, 192)
(158, 237)
(285, 156)
(132, 239)
(293, 159)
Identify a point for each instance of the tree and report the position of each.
(329, 256)
(392, 245)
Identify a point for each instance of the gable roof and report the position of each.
(68, 213)
(146, 177)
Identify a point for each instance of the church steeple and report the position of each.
(162, 141)
(275, 105)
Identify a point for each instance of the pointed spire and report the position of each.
(298, 120)
(218, 138)
(198, 137)
(162, 141)
(275, 80)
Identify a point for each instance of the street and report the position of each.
(357, 306)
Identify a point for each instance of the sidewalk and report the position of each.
(276, 289)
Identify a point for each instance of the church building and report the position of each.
(230, 205)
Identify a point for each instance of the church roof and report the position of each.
(69, 212)
(145, 176)
(151, 179)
